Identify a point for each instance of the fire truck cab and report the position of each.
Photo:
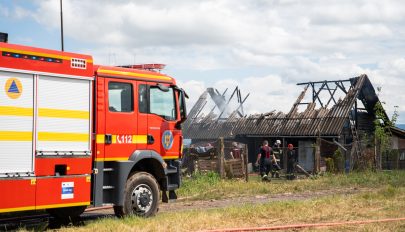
(74, 134)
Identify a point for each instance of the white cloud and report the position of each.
(289, 41)
(390, 75)
(349, 12)
(193, 89)
(267, 93)
(4, 11)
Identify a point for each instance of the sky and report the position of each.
(265, 47)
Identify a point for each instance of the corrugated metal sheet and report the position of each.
(311, 122)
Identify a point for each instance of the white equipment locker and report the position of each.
(42, 115)
(63, 125)
(16, 123)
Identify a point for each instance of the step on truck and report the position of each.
(74, 134)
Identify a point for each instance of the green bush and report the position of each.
(338, 161)
(330, 165)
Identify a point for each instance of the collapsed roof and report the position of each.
(327, 120)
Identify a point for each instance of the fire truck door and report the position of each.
(161, 120)
(121, 119)
(142, 100)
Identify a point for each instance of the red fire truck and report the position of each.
(74, 134)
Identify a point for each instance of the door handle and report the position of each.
(150, 139)
(108, 139)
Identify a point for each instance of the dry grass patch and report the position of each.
(383, 203)
(210, 186)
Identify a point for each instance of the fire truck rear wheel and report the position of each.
(141, 196)
(67, 213)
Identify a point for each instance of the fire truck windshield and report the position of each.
(162, 103)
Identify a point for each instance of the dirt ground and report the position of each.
(184, 204)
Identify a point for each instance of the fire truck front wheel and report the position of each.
(141, 196)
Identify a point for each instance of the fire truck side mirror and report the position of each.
(182, 104)
(163, 88)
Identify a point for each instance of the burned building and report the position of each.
(337, 115)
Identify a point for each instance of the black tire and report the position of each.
(67, 213)
(141, 196)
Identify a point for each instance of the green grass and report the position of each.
(383, 197)
(210, 186)
(384, 203)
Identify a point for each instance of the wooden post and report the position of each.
(220, 157)
(397, 163)
(317, 155)
(375, 153)
(242, 157)
(245, 159)
(285, 158)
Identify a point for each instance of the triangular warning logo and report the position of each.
(13, 88)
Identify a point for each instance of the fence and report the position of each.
(228, 159)
(394, 159)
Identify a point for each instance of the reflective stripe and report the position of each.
(15, 136)
(42, 207)
(132, 74)
(170, 157)
(140, 139)
(44, 112)
(135, 139)
(100, 138)
(16, 111)
(62, 205)
(112, 159)
(17, 209)
(57, 113)
(68, 137)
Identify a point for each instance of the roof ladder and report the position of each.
(356, 147)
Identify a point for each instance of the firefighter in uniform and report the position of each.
(264, 160)
(235, 152)
(291, 162)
